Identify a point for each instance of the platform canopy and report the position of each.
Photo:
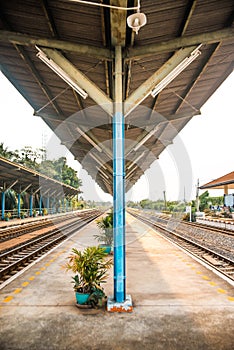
(224, 182)
(22, 179)
(80, 39)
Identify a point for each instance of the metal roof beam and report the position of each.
(12, 185)
(93, 140)
(180, 116)
(37, 190)
(26, 188)
(92, 89)
(118, 23)
(49, 18)
(177, 43)
(191, 8)
(81, 49)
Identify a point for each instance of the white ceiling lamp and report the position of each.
(58, 70)
(82, 133)
(175, 72)
(136, 21)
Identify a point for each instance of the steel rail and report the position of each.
(7, 233)
(216, 260)
(209, 228)
(15, 259)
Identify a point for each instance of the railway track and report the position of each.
(8, 233)
(213, 228)
(15, 259)
(219, 257)
(209, 228)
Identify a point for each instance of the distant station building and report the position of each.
(225, 182)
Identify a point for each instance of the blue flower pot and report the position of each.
(107, 248)
(82, 298)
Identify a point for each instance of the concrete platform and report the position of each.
(19, 221)
(178, 304)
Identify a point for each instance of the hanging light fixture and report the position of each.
(175, 72)
(137, 20)
(58, 70)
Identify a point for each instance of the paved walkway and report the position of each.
(178, 304)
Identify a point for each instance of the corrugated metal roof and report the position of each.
(19, 178)
(85, 35)
(220, 182)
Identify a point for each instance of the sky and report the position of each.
(203, 149)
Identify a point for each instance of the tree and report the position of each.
(204, 199)
(4, 152)
(59, 170)
(29, 157)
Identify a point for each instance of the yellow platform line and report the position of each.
(212, 283)
(24, 284)
(7, 299)
(206, 278)
(230, 298)
(220, 290)
(17, 290)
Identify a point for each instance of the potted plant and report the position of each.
(90, 267)
(105, 236)
(7, 216)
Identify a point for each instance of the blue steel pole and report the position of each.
(48, 204)
(18, 205)
(3, 205)
(53, 206)
(40, 205)
(31, 205)
(118, 184)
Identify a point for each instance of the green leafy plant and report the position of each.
(105, 225)
(90, 268)
(7, 216)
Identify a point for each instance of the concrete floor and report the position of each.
(178, 303)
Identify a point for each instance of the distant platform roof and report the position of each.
(226, 180)
(82, 38)
(22, 179)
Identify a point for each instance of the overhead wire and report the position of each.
(109, 6)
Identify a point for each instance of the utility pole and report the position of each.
(197, 195)
(165, 202)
